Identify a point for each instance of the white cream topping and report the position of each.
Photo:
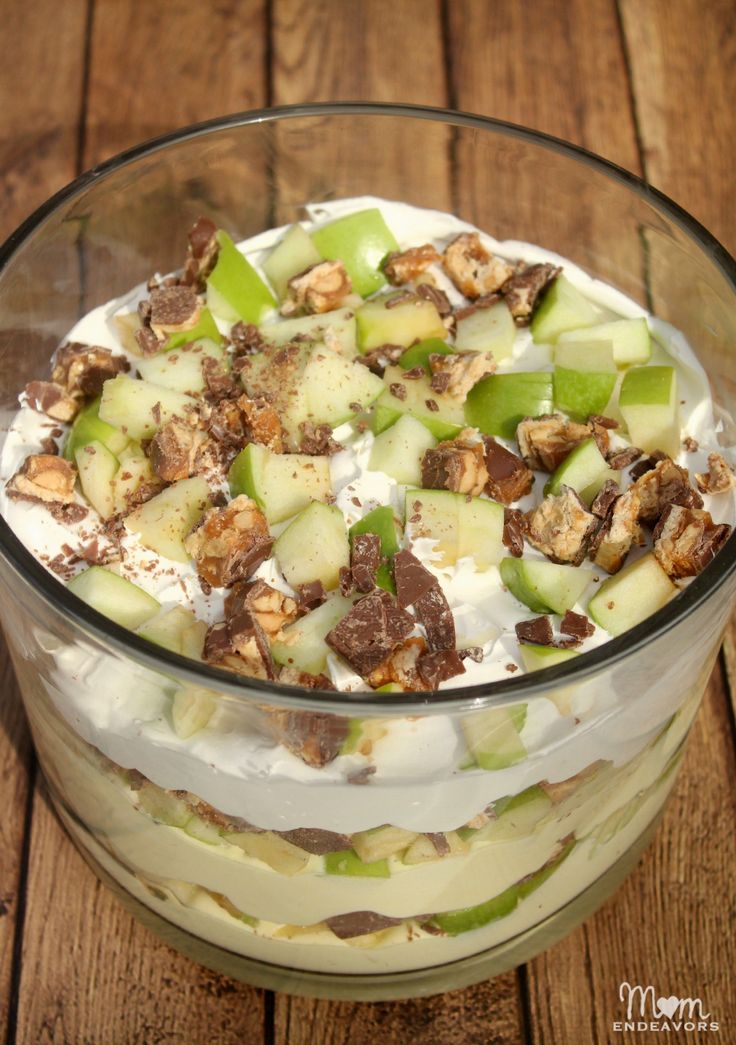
(417, 784)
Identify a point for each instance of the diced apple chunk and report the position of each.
(88, 428)
(337, 329)
(294, 253)
(114, 596)
(302, 645)
(460, 526)
(381, 842)
(280, 484)
(649, 406)
(361, 241)
(402, 324)
(181, 370)
(537, 658)
(314, 547)
(166, 628)
(444, 419)
(487, 330)
(632, 595)
(630, 339)
(499, 402)
(545, 586)
(163, 522)
(336, 388)
(492, 736)
(271, 849)
(97, 468)
(563, 308)
(399, 450)
(191, 710)
(584, 470)
(235, 291)
(139, 408)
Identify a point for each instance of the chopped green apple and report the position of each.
(418, 355)
(544, 586)
(337, 329)
(499, 402)
(382, 522)
(461, 526)
(537, 658)
(163, 522)
(114, 596)
(423, 849)
(381, 842)
(649, 406)
(166, 629)
(349, 863)
(88, 428)
(582, 393)
(139, 408)
(563, 308)
(302, 645)
(294, 253)
(588, 357)
(361, 241)
(97, 467)
(487, 330)
(314, 547)
(444, 422)
(163, 806)
(271, 849)
(533, 881)
(468, 918)
(584, 470)
(632, 595)
(235, 291)
(205, 330)
(381, 323)
(192, 707)
(492, 736)
(280, 484)
(336, 388)
(182, 370)
(398, 451)
(134, 470)
(516, 816)
(630, 339)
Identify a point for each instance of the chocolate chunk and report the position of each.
(509, 479)
(513, 531)
(368, 633)
(474, 653)
(359, 923)
(173, 307)
(665, 484)
(147, 341)
(51, 399)
(439, 841)
(457, 465)
(246, 339)
(83, 369)
(619, 459)
(312, 736)
(381, 357)
(561, 527)
(686, 540)
(602, 421)
(365, 558)
(317, 440)
(293, 677)
(577, 625)
(219, 383)
(202, 253)
(347, 584)
(647, 464)
(414, 374)
(401, 267)
(413, 580)
(433, 611)
(537, 631)
(309, 596)
(440, 666)
(432, 405)
(524, 289)
(604, 499)
(316, 841)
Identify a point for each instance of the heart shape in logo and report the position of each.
(666, 1006)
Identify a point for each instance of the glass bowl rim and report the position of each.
(457, 699)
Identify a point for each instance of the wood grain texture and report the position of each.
(683, 68)
(92, 973)
(38, 145)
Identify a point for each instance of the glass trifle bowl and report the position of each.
(373, 843)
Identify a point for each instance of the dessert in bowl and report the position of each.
(357, 555)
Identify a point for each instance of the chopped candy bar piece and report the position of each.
(51, 399)
(83, 369)
(230, 543)
(473, 269)
(513, 531)
(456, 464)
(686, 540)
(523, 290)
(44, 477)
(561, 527)
(371, 630)
(719, 478)
(509, 479)
(537, 631)
(455, 374)
(202, 253)
(665, 484)
(404, 266)
(313, 737)
(320, 288)
(620, 529)
(546, 441)
(440, 666)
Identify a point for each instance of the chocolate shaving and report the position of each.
(437, 297)
(381, 357)
(246, 339)
(414, 373)
(537, 631)
(368, 633)
(474, 653)
(602, 421)
(400, 299)
(317, 440)
(397, 390)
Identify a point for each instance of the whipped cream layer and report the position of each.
(417, 781)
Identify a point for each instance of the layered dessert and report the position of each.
(377, 452)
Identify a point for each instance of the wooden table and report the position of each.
(646, 83)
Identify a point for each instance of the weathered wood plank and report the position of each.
(79, 943)
(670, 925)
(37, 156)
